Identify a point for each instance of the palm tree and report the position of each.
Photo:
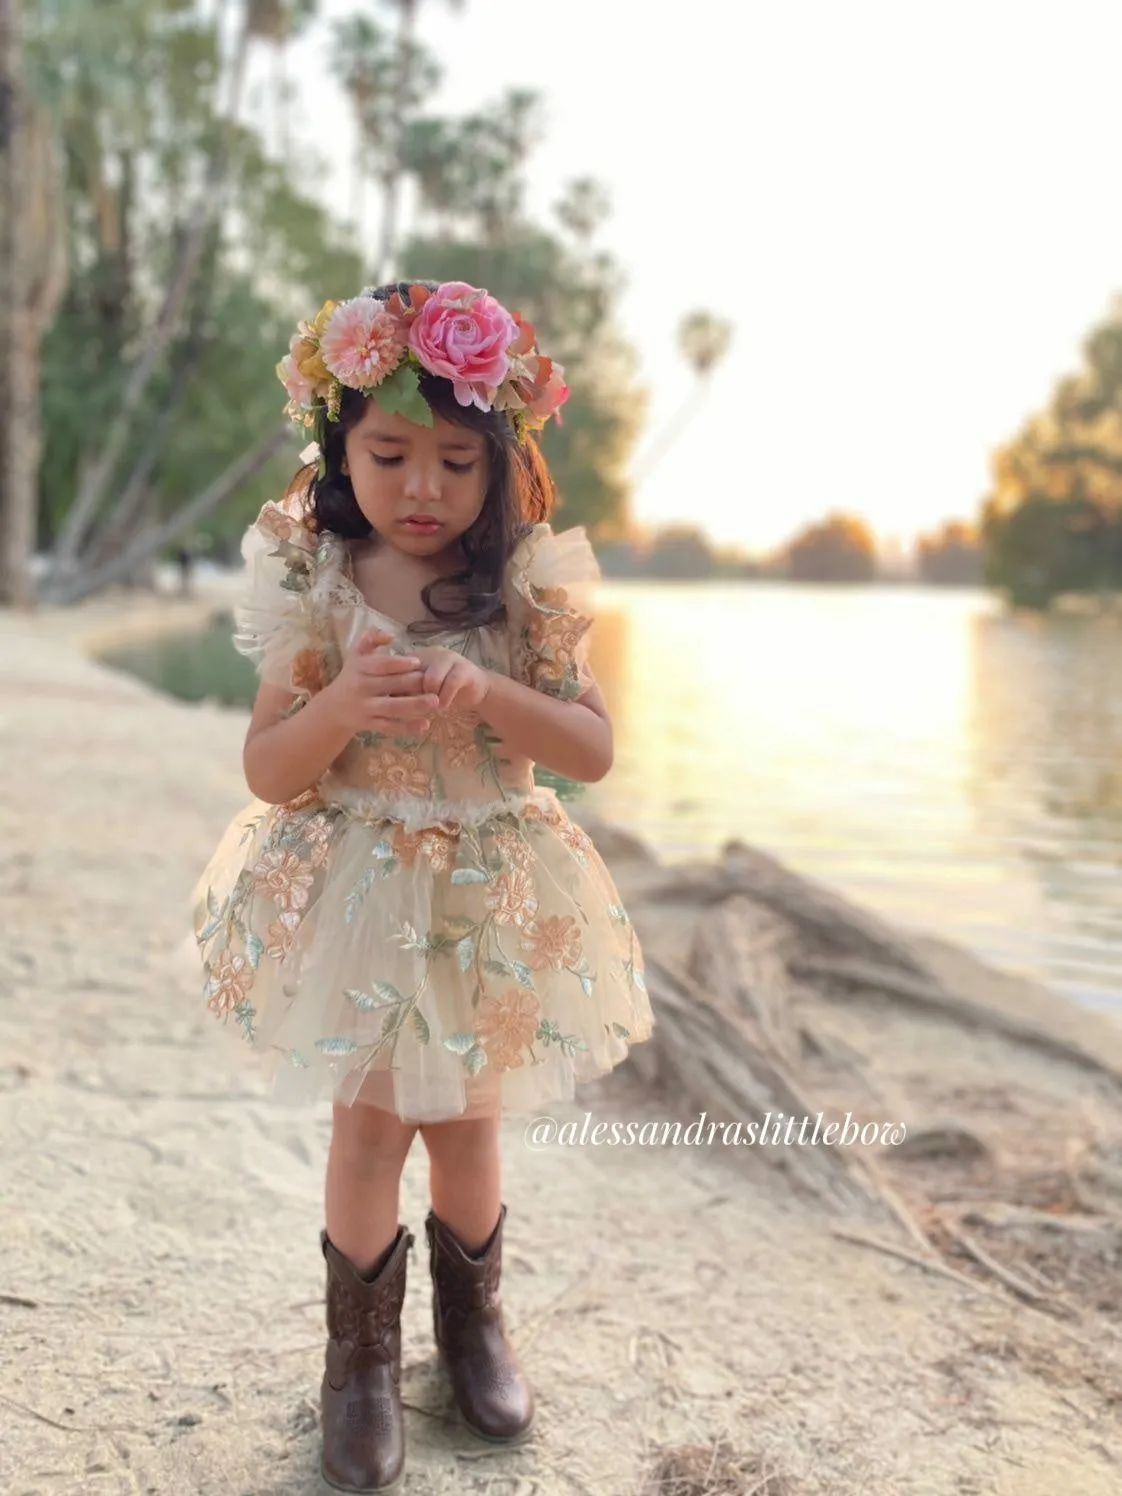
(704, 340)
(410, 60)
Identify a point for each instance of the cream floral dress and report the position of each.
(426, 930)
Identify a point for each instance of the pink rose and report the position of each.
(462, 334)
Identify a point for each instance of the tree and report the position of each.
(840, 548)
(951, 555)
(141, 105)
(269, 20)
(704, 339)
(32, 275)
(1052, 521)
(681, 552)
(470, 176)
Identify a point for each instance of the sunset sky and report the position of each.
(910, 212)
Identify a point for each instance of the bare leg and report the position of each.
(369, 1147)
(465, 1176)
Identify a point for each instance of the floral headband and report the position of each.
(458, 332)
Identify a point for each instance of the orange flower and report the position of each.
(304, 799)
(575, 837)
(391, 769)
(232, 977)
(553, 942)
(281, 934)
(307, 671)
(431, 842)
(285, 877)
(513, 848)
(507, 1025)
(512, 898)
(455, 733)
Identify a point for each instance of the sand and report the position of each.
(161, 1287)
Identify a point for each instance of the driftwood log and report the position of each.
(748, 966)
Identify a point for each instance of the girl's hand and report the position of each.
(454, 680)
(380, 692)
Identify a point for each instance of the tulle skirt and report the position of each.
(439, 971)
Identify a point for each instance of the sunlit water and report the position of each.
(947, 765)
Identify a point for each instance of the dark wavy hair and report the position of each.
(520, 493)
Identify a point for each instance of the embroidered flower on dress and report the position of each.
(553, 942)
(308, 671)
(304, 799)
(391, 769)
(285, 877)
(281, 934)
(513, 848)
(430, 841)
(454, 733)
(231, 978)
(576, 837)
(511, 897)
(506, 1025)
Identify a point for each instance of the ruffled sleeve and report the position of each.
(550, 607)
(274, 620)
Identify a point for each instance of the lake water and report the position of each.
(945, 764)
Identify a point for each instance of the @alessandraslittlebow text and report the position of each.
(769, 1131)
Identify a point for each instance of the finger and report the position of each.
(382, 665)
(395, 729)
(380, 722)
(403, 706)
(377, 686)
(373, 639)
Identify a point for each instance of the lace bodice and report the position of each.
(300, 612)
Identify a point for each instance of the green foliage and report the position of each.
(1052, 523)
(400, 395)
(139, 92)
(135, 95)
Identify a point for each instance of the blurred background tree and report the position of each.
(840, 548)
(189, 245)
(1052, 522)
(950, 556)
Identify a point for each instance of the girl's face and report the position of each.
(400, 471)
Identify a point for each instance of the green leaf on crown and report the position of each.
(400, 395)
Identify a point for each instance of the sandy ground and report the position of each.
(161, 1284)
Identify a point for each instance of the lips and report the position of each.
(424, 524)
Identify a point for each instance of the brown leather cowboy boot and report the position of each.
(363, 1432)
(487, 1379)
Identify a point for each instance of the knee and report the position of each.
(369, 1140)
(462, 1142)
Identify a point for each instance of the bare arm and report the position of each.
(283, 755)
(573, 738)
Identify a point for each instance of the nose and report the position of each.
(422, 479)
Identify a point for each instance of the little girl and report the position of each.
(402, 920)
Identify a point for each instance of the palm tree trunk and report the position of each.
(99, 476)
(17, 497)
(391, 177)
(145, 547)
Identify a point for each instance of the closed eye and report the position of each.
(453, 467)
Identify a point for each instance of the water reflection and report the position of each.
(954, 768)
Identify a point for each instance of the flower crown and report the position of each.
(455, 331)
